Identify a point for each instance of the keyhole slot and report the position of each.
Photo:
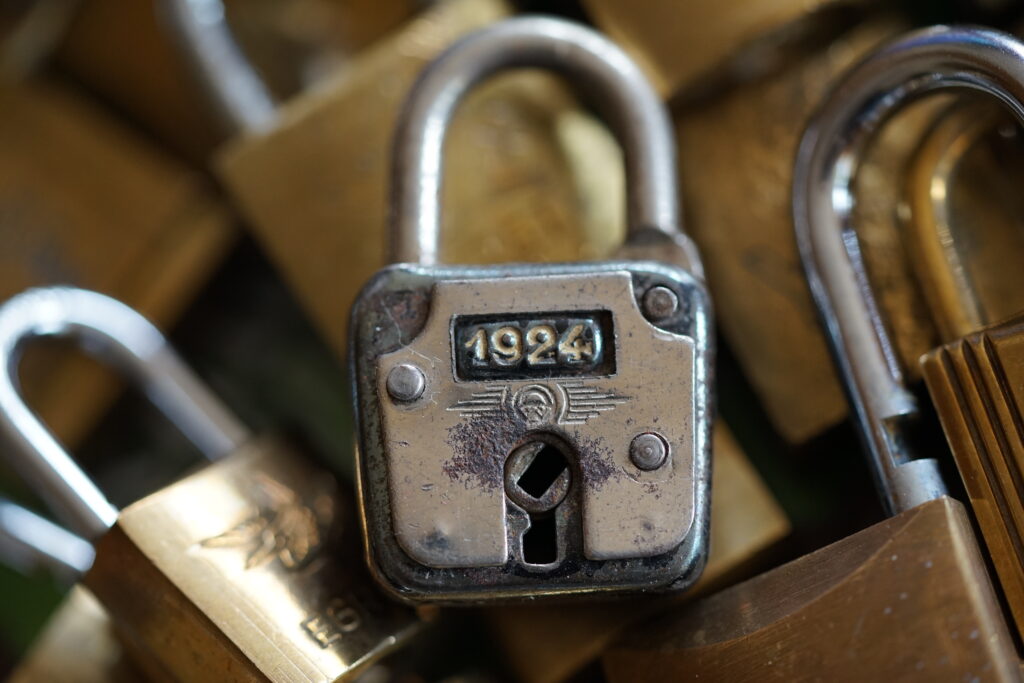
(541, 474)
(540, 542)
(537, 479)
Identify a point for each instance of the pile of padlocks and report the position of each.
(541, 342)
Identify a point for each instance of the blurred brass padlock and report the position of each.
(741, 220)
(85, 201)
(529, 167)
(688, 46)
(907, 599)
(246, 570)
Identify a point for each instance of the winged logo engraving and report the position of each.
(282, 527)
(562, 402)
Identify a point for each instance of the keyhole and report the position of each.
(537, 478)
(543, 472)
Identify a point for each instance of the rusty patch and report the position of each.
(596, 461)
(481, 445)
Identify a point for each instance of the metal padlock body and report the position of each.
(432, 472)
(504, 427)
(253, 581)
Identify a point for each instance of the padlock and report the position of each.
(78, 641)
(692, 47)
(539, 177)
(513, 440)
(86, 201)
(962, 217)
(909, 598)
(241, 571)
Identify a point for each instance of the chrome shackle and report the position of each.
(597, 67)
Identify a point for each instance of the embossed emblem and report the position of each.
(561, 402)
(282, 527)
(535, 404)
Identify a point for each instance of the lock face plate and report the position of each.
(250, 565)
(526, 430)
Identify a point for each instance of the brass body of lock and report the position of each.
(512, 437)
(742, 223)
(548, 643)
(88, 202)
(537, 176)
(975, 384)
(687, 47)
(887, 603)
(247, 569)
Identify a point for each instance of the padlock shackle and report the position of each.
(113, 332)
(593, 64)
(824, 205)
(29, 542)
(236, 92)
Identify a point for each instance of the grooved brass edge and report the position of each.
(971, 387)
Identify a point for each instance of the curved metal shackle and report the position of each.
(592, 63)
(238, 94)
(29, 542)
(110, 330)
(823, 206)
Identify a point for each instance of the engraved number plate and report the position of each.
(525, 346)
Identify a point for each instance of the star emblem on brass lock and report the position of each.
(284, 528)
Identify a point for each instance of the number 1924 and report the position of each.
(538, 343)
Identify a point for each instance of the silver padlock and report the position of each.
(529, 430)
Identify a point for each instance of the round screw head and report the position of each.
(660, 302)
(406, 382)
(648, 451)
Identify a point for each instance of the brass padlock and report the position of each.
(908, 599)
(241, 571)
(512, 434)
(78, 642)
(311, 177)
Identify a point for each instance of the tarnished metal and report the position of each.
(511, 475)
(238, 569)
